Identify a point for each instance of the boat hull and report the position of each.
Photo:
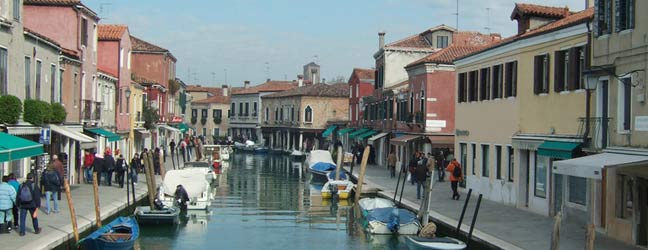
(146, 216)
(121, 228)
(378, 227)
(439, 243)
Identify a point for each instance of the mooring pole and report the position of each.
(95, 187)
(128, 187)
(474, 219)
(400, 172)
(75, 229)
(363, 169)
(339, 163)
(463, 211)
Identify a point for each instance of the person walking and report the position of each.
(120, 169)
(198, 144)
(391, 164)
(183, 149)
(109, 166)
(412, 167)
(135, 165)
(29, 199)
(52, 182)
(172, 149)
(58, 166)
(190, 146)
(440, 164)
(16, 185)
(156, 161)
(7, 201)
(420, 175)
(456, 175)
(98, 163)
(88, 160)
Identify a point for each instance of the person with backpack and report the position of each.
(456, 175)
(120, 168)
(7, 201)
(109, 166)
(29, 199)
(51, 181)
(135, 165)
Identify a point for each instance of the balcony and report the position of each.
(597, 125)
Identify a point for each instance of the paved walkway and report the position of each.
(501, 225)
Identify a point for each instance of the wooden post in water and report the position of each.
(425, 204)
(591, 234)
(555, 234)
(363, 169)
(339, 163)
(95, 187)
(162, 167)
(152, 168)
(149, 181)
(75, 229)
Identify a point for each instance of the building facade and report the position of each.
(211, 114)
(361, 84)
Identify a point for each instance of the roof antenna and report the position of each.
(487, 28)
(457, 14)
(103, 10)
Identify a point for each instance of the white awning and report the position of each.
(592, 166)
(23, 128)
(86, 141)
(376, 137)
(167, 127)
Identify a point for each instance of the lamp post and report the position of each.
(591, 81)
(127, 92)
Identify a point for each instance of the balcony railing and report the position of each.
(597, 125)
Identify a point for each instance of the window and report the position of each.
(510, 79)
(232, 109)
(497, 80)
(218, 113)
(281, 113)
(3, 71)
(247, 109)
(74, 90)
(624, 197)
(473, 151)
(84, 32)
(624, 15)
(276, 114)
(561, 67)
(498, 161)
(380, 77)
(204, 132)
(577, 190)
(472, 86)
(39, 72)
(121, 58)
(442, 41)
(541, 74)
(511, 163)
(540, 177)
(16, 10)
(421, 102)
(292, 113)
(53, 83)
(461, 88)
(267, 114)
(625, 103)
(216, 132)
(463, 160)
(60, 89)
(308, 114)
(579, 58)
(254, 109)
(484, 84)
(240, 109)
(485, 160)
(204, 113)
(27, 78)
(603, 17)
(194, 113)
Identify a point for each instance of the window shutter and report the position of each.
(546, 72)
(537, 77)
(631, 14)
(597, 16)
(559, 71)
(617, 15)
(608, 16)
(574, 66)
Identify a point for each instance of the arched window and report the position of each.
(267, 114)
(308, 114)
(422, 106)
(276, 114)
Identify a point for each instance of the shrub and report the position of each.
(37, 112)
(151, 117)
(58, 113)
(11, 109)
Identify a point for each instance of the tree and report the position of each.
(151, 117)
(37, 112)
(11, 109)
(58, 113)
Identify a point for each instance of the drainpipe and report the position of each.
(588, 92)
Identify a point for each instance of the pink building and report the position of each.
(114, 55)
(74, 26)
(360, 85)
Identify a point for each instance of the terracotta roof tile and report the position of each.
(571, 20)
(214, 99)
(415, 41)
(270, 86)
(111, 32)
(106, 72)
(53, 2)
(198, 88)
(364, 74)
(319, 90)
(71, 53)
(41, 36)
(471, 38)
(447, 55)
(539, 10)
(144, 46)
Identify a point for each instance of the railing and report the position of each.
(596, 126)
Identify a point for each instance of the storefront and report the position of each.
(71, 141)
(17, 150)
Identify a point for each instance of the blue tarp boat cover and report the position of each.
(393, 217)
(322, 167)
(331, 175)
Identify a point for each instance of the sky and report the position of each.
(231, 41)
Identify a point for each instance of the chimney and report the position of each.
(246, 84)
(225, 90)
(381, 40)
(268, 79)
(300, 80)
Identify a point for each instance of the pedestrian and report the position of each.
(7, 201)
(412, 167)
(52, 182)
(440, 164)
(120, 169)
(420, 175)
(172, 148)
(88, 160)
(109, 166)
(198, 146)
(391, 164)
(181, 197)
(183, 149)
(29, 200)
(98, 163)
(14, 183)
(135, 165)
(456, 175)
(58, 166)
(190, 146)
(156, 161)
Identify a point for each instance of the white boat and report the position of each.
(202, 167)
(437, 243)
(343, 188)
(320, 163)
(194, 182)
(381, 216)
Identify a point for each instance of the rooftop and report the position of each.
(53, 2)
(364, 74)
(539, 10)
(319, 90)
(447, 55)
(144, 46)
(269, 86)
(111, 32)
(41, 36)
(214, 99)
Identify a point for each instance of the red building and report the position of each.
(360, 85)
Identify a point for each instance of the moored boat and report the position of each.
(342, 188)
(121, 233)
(320, 163)
(383, 217)
(437, 243)
(296, 155)
(198, 189)
(163, 216)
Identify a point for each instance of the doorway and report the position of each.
(642, 208)
(558, 193)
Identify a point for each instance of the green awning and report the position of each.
(15, 148)
(182, 127)
(344, 131)
(558, 149)
(105, 133)
(328, 131)
(358, 132)
(366, 134)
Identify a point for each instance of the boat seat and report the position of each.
(436, 239)
(116, 236)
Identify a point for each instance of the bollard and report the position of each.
(474, 219)
(95, 187)
(463, 211)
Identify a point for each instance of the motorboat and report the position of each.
(436, 243)
(381, 216)
(260, 150)
(330, 176)
(203, 167)
(320, 163)
(297, 155)
(193, 182)
(341, 188)
(121, 233)
(162, 216)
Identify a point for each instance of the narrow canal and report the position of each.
(267, 202)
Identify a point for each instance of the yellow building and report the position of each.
(138, 137)
(211, 117)
(518, 108)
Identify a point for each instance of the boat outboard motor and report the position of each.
(334, 190)
(394, 221)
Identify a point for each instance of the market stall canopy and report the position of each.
(84, 140)
(404, 139)
(15, 148)
(328, 131)
(367, 134)
(105, 133)
(591, 166)
(378, 136)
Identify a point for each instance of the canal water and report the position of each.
(267, 202)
